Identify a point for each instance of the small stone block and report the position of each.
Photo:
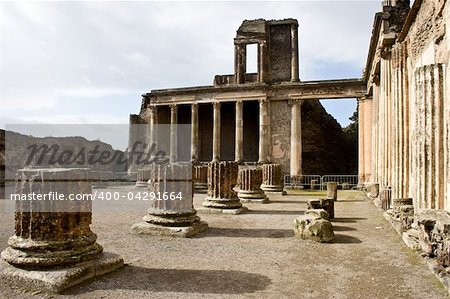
(320, 213)
(145, 228)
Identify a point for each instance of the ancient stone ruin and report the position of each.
(250, 181)
(171, 211)
(222, 177)
(53, 247)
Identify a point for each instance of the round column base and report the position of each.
(252, 196)
(222, 203)
(29, 254)
(172, 219)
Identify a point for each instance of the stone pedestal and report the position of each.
(332, 190)
(272, 179)
(324, 203)
(222, 177)
(53, 247)
(374, 190)
(143, 175)
(385, 198)
(171, 211)
(200, 178)
(250, 186)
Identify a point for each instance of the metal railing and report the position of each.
(320, 182)
(343, 181)
(305, 181)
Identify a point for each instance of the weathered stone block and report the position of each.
(321, 213)
(324, 203)
(310, 227)
(332, 190)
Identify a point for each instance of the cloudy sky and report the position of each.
(89, 62)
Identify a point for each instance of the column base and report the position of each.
(252, 196)
(273, 189)
(145, 228)
(200, 188)
(236, 211)
(222, 203)
(55, 281)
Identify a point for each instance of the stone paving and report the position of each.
(255, 255)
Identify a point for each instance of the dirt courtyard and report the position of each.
(255, 255)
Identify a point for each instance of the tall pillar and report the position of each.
(173, 132)
(216, 131)
(296, 138)
(262, 62)
(294, 57)
(153, 127)
(194, 133)
(240, 64)
(239, 150)
(264, 131)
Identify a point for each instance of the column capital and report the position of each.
(216, 104)
(173, 106)
(239, 103)
(194, 104)
(263, 101)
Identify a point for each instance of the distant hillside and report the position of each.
(56, 152)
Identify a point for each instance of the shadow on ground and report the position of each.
(340, 228)
(277, 212)
(249, 233)
(344, 239)
(177, 280)
(348, 219)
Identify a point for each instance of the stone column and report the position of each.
(222, 177)
(294, 57)
(194, 133)
(264, 131)
(54, 234)
(171, 211)
(173, 132)
(296, 138)
(143, 175)
(239, 150)
(200, 178)
(332, 190)
(216, 131)
(154, 126)
(250, 181)
(135, 141)
(240, 63)
(262, 61)
(272, 179)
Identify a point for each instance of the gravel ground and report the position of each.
(255, 255)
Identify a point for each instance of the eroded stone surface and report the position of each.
(172, 213)
(311, 227)
(222, 177)
(250, 180)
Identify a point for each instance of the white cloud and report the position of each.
(51, 52)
